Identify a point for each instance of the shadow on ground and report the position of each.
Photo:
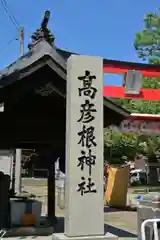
(59, 228)
(108, 209)
(119, 232)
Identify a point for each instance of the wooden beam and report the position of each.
(30, 144)
(18, 135)
(144, 117)
(119, 92)
(116, 70)
(12, 120)
(123, 67)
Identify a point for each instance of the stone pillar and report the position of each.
(84, 195)
(18, 157)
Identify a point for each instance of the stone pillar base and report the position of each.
(62, 236)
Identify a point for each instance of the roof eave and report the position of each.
(40, 50)
(108, 103)
(53, 58)
(66, 55)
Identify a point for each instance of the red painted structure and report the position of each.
(144, 117)
(140, 123)
(119, 92)
(120, 67)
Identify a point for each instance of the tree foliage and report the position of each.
(147, 41)
(150, 146)
(117, 145)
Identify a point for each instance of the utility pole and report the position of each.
(21, 38)
(18, 152)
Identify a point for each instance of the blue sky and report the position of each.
(105, 28)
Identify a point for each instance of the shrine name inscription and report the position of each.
(87, 137)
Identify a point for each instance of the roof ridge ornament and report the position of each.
(42, 33)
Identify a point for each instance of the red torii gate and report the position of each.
(144, 123)
(120, 67)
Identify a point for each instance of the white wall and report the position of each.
(6, 161)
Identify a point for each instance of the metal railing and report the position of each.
(2, 233)
(155, 228)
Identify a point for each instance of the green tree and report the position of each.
(136, 106)
(118, 145)
(150, 146)
(147, 42)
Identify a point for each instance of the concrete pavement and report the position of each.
(121, 223)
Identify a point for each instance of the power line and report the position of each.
(9, 13)
(5, 46)
(7, 6)
(14, 21)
